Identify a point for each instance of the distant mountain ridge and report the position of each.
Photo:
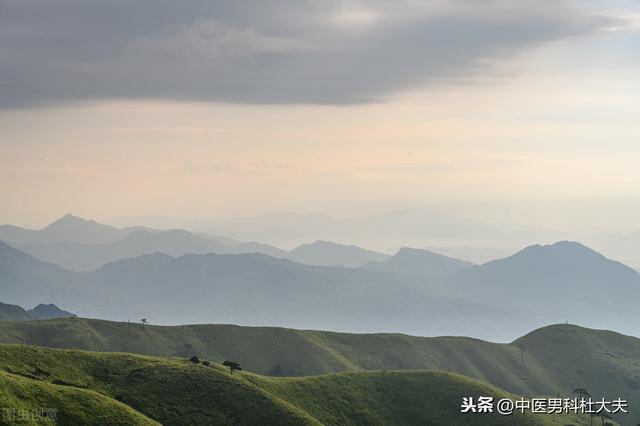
(328, 253)
(41, 312)
(261, 290)
(561, 281)
(84, 245)
(250, 289)
(49, 311)
(27, 281)
(10, 312)
(417, 263)
(68, 228)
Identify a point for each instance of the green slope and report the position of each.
(398, 398)
(113, 389)
(72, 406)
(170, 391)
(552, 360)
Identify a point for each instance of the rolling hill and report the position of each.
(418, 264)
(123, 389)
(547, 361)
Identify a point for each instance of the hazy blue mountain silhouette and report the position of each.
(68, 228)
(49, 311)
(329, 253)
(85, 257)
(417, 263)
(562, 281)
(415, 228)
(27, 281)
(13, 313)
(84, 245)
(260, 290)
(497, 300)
(41, 312)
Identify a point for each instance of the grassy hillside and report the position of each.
(72, 406)
(123, 389)
(170, 391)
(555, 359)
(397, 398)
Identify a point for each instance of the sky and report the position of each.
(502, 111)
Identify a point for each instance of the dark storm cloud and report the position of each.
(261, 51)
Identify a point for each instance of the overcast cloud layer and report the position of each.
(259, 51)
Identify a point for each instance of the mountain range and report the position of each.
(471, 240)
(250, 289)
(84, 245)
(40, 312)
(68, 228)
(540, 284)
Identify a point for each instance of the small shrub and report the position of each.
(233, 366)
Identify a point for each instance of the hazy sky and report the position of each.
(519, 111)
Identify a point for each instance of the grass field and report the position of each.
(124, 389)
(551, 360)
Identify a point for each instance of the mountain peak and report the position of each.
(68, 219)
(418, 263)
(49, 311)
(74, 228)
(559, 249)
(327, 243)
(329, 253)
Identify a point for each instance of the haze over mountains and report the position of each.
(457, 237)
(414, 291)
(251, 289)
(83, 245)
(68, 228)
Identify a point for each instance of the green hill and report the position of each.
(124, 389)
(548, 361)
